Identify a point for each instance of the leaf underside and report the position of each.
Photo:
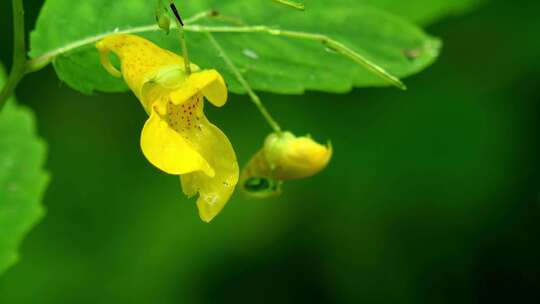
(269, 63)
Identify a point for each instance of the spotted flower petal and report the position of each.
(168, 150)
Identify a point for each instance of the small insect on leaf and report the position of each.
(164, 23)
(176, 13)
(412, 54)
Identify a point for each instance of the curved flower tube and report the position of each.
(177, 138)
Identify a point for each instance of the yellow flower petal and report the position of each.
(189, 122)
(209, 82)
(214, 192)
(168, 150)
(141, 61)
(216, 90)
(294, 157)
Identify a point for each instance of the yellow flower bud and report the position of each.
(283, 157)
(292, 157)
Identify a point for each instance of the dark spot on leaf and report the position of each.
(412, 54)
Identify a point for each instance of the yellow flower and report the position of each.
(178, 138)
(292, 157)
(283, 157)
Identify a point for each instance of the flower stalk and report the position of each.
(254, 98)
(182, 37)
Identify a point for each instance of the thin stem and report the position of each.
(292, 4)
(36, 64)
(254, 98)
(227, 19)
(159, 8)
(18, 66)
(335, 45)
(199, 16)
(182, 37)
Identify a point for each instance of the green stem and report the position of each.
(254, 98)
(36, 64)
(183, 44)
(199, 16)
(159, 8)
(185, 53)
(292, 4)
(335, 45)
(18, 67)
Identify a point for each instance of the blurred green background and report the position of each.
(433, 195)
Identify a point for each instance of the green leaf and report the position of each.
(22, 178)
(423, 11)
(67, 30)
